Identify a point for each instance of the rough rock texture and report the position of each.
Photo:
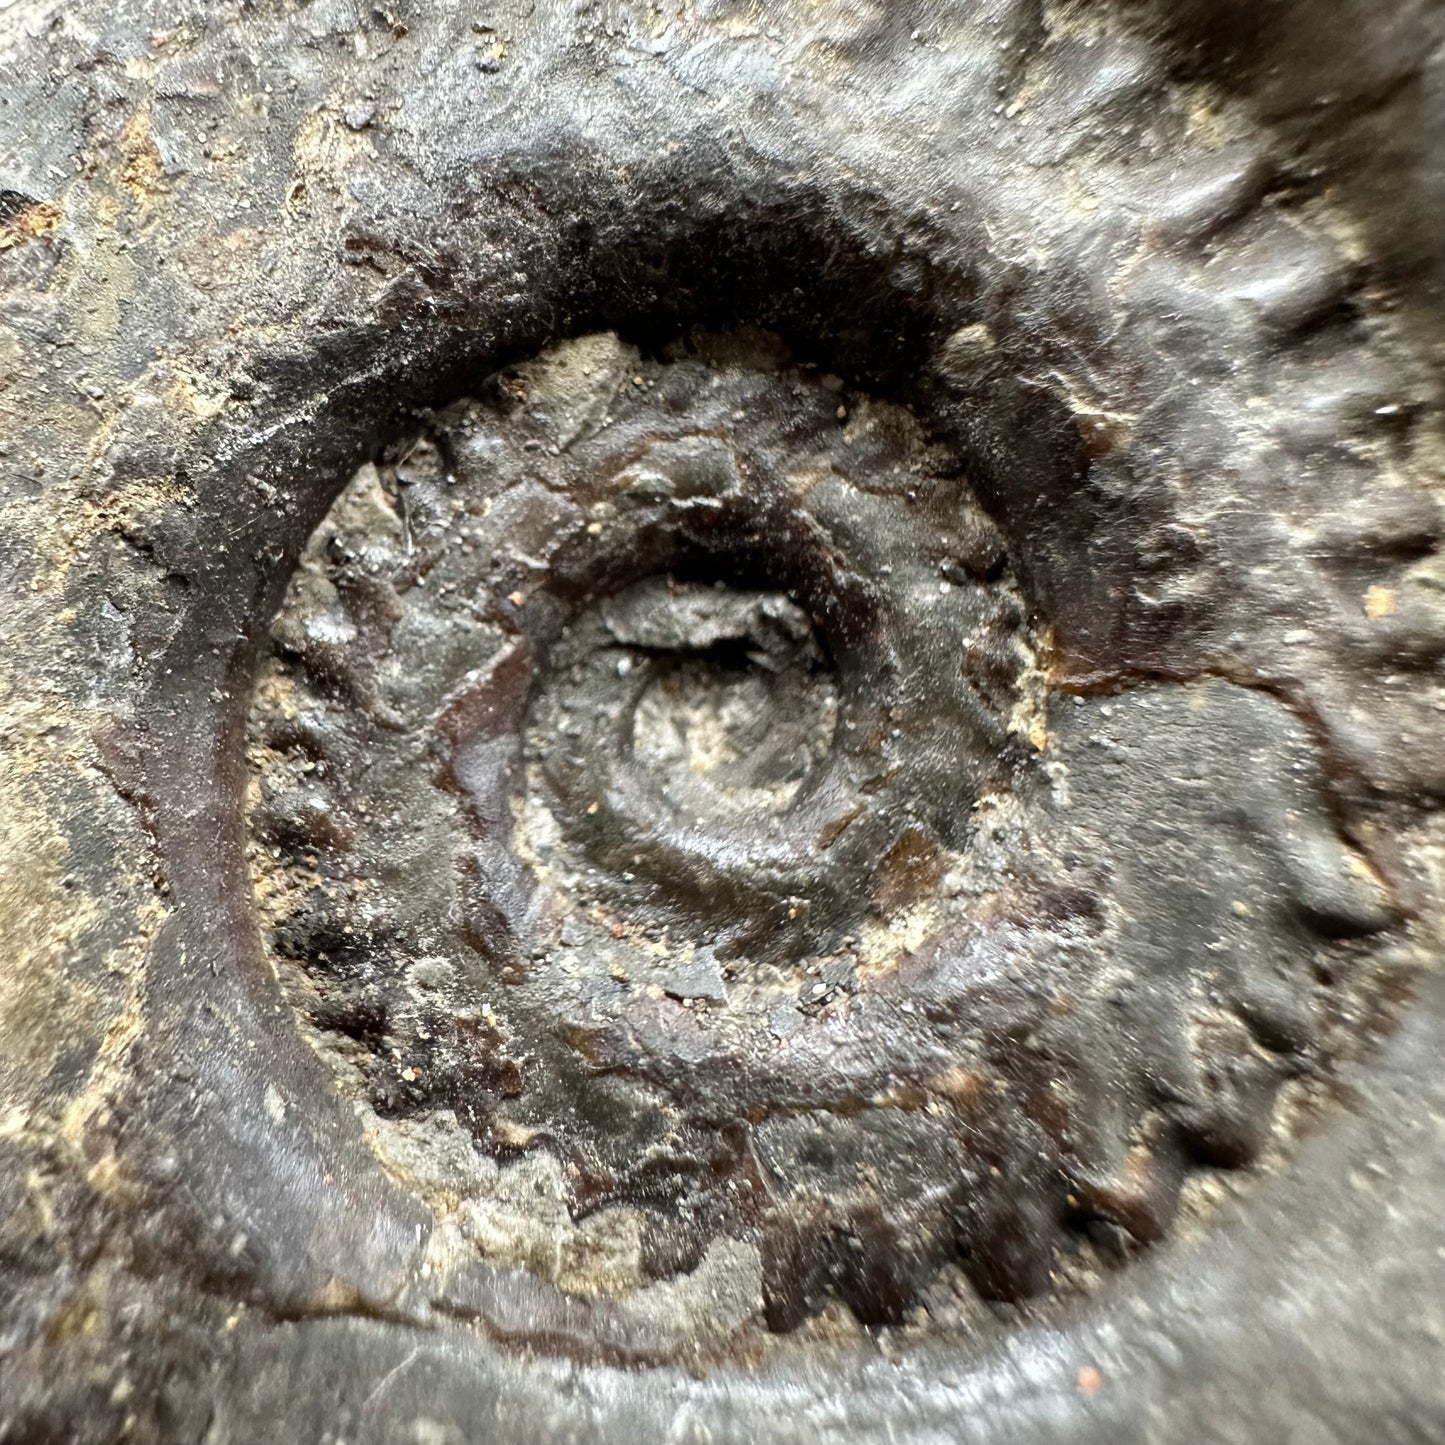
(797, 923)
(1106, 818)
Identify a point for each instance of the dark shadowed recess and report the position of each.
(557, 249)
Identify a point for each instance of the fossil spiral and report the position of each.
(735, 719)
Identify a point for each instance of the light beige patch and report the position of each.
(1379, 602)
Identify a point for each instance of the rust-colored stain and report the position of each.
(23, 219)
(142, 171)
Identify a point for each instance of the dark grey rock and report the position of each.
(1161, 283)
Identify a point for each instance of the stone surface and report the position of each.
(1158, 288)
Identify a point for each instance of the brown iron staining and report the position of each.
(652, 796)
(23, 219)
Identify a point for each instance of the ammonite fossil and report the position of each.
(754, 720)
(665, 799)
